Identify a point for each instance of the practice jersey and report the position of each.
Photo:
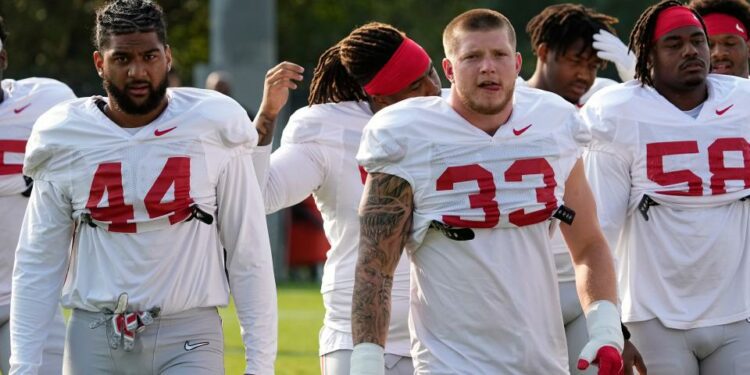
(670, 188)
(490, 304)
(23, 102)
(563, 262)
(153, 213)
(317, 155)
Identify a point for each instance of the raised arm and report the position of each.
(279, 80)
(385, 222)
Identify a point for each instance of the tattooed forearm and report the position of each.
(265, 125)
(385, 222)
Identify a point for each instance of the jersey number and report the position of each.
(485, 197)
(11, 146)
(720, 173)
(108, 178)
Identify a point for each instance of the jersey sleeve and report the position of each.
(40, 266)
(44, 158)
(244, 235)
(383, 150)
(607, 167)
(296, 171)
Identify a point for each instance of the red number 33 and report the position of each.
(108, 177)
(485, 197)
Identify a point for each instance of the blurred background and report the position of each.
(242, 39)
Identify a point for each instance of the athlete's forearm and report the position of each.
(265, 123)
(595, 275)
(385, 222)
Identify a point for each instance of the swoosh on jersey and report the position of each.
(519, 132)
(722, 111)
(19, 110)
(158, 132)
(189, 346)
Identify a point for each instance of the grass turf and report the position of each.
(300, 318)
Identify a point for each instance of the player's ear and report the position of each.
(542, 51)
(448, 69)
(99, 62)
(168, 54)
(519, 62)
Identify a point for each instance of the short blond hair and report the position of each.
(475, 20)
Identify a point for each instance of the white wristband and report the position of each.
(603, 323)
(367, 359)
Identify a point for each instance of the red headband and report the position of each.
(674, 18)
(407, 64)
(721, 23)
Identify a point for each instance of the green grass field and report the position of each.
(300, 319)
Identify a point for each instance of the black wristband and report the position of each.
(625, 332)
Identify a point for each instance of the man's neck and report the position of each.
(537, 80)
(685, 100)
(487, 123)
(126, 120)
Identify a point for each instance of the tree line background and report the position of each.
(53, 38)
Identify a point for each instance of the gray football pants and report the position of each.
(190, 343)
(576, 332)
(337, 363)
(53, 348)
(716, 350)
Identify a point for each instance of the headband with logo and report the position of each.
(721, 23)
(674, 18)
(407, 64)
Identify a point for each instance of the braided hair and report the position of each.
(343, 69)
(735, 8)
(641, 38)
(126, 17)
(560, 26)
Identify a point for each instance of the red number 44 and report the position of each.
(108, 177)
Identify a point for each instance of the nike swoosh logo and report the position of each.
(519, 132)
(19, 110)
(189, 346)
(722, 111)
(158, 132)
(739, 28)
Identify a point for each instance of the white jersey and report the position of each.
(23, 102)
(317, 155)
(563, 262)
(132, 197)
(488, 305)
(688, 264)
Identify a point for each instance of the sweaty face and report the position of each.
(729, 55)
(483, 70)
(571, 73)
(680, 59)
(134, 69)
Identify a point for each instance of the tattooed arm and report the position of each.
(385, 216)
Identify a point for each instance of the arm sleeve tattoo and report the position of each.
(385, 218)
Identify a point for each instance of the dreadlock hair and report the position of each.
(560, 26)
(3, 33)
(351, 63)
(641, 38)
(126, 17)
(736, 8)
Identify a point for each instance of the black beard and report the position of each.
(120, 99)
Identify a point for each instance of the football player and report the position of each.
(374, 66)
(727, 23)
(468, 185)
(135, 197)
(21, 103)
(670, 167)
(563, 39)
